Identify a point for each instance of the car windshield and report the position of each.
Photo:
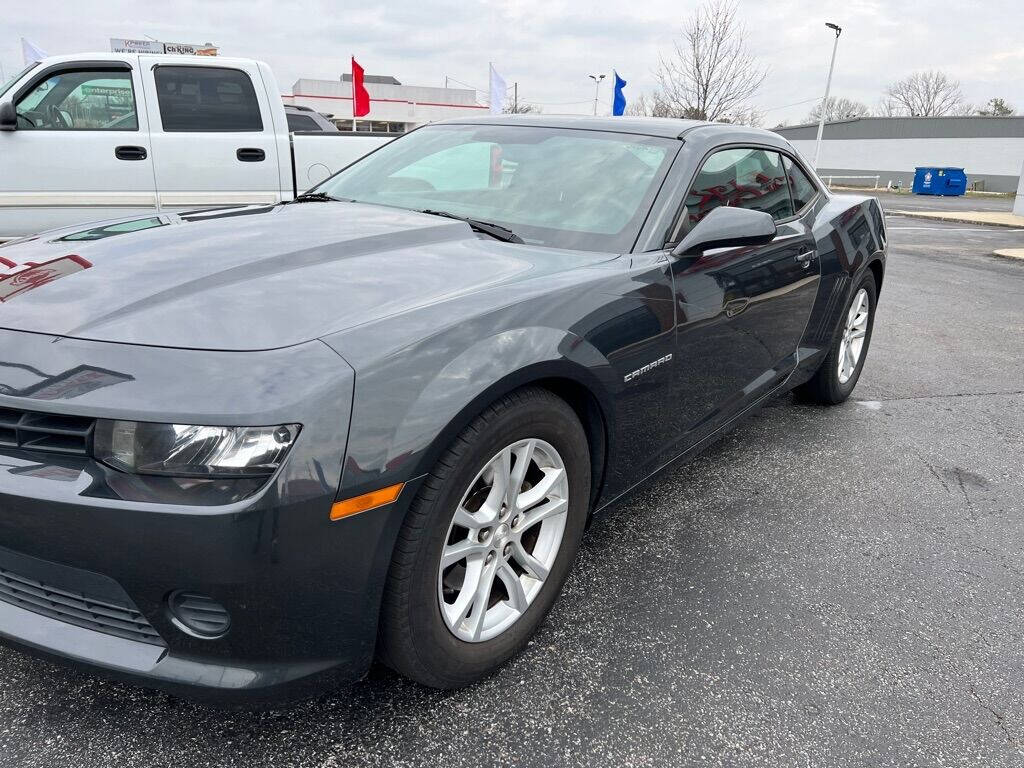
(5, 87)
(575, 189)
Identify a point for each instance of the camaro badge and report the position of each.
(649, 367)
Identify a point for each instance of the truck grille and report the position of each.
(113, 618)
(49, 432)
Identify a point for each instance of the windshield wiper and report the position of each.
(318, 197)
(496, 231)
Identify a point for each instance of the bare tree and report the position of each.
(997, 108)
(925, 94)
(711, 73)
(521, 108)
(651, 106)
(839, 108)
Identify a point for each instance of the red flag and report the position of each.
(360, 98)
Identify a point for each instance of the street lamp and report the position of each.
(597, 88)
(828, 86)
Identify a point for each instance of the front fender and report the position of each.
(408, 408)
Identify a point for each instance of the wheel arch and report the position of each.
(570, 382)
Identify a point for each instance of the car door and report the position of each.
(213, 135)
(741, 311)
(81, 149)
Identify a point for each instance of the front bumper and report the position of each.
(303, 592)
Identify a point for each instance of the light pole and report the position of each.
(828, 87)
(597, 88)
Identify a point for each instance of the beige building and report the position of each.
(394, 108)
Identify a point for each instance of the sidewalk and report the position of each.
(988, 218)
(1010, 253)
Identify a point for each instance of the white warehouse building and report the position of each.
(394, 108)
(989, 149)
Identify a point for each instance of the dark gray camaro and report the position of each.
(244, 452)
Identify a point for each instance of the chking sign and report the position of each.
(34, 275)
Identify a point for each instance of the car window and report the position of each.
(94, 100)
(206, 99)
(802, 188)
(564, 188)
(302, 123)
(741, 178)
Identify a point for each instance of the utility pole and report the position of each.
(828, 86)
(597, 88)
(515, 98)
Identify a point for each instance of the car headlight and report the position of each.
(184, 450)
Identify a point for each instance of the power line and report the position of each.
(794, 104)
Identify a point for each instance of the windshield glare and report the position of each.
(576, 189)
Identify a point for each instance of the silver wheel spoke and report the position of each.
(530, 564)
(457, 611)
(462, 550)
(481, 598)
(516, 594)
(523, 458)
(540, 491)
(543, 512)
(858, 334)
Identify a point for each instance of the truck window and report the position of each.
(206, 99)
(93, 100)
(302, 123)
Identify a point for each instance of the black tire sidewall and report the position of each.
(454, 661)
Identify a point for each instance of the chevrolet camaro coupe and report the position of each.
(244, 452)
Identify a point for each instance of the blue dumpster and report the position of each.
(940, 181)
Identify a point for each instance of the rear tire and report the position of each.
(441, 624)
(831, 385)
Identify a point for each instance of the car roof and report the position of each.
(664, 127)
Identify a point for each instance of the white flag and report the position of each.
(30, 53)
(498, 91)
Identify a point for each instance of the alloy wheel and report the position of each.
(851, 346)
(503, 540)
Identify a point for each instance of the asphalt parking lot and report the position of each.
(824, 587)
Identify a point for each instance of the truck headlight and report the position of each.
(184, 450)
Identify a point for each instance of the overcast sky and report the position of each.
(549, 46)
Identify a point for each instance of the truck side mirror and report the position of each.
(8, 117)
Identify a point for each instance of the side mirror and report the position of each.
(8, 117)
(727, 227)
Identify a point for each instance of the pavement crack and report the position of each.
(999, 718)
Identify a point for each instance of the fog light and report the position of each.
(198, 615)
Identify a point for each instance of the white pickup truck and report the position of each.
(95, 136)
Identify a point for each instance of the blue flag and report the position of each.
(619, 104)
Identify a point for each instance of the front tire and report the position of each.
(488, 542)
(835, 379)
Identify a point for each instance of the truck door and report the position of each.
(81, 150)
(213, 134)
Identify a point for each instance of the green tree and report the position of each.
(997, 108)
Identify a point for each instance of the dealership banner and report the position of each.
(121, 45)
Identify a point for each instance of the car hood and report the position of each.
(252, 278)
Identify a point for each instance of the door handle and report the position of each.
(805, 258)
(130, 153)
(251, 155)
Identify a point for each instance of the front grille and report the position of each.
(120, 619)
(49, 432)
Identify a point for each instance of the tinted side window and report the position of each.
(301, 123)
(742, 178)
(802, 187)
(95, 100)
(206, 99)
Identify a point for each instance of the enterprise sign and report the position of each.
(122, 45)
